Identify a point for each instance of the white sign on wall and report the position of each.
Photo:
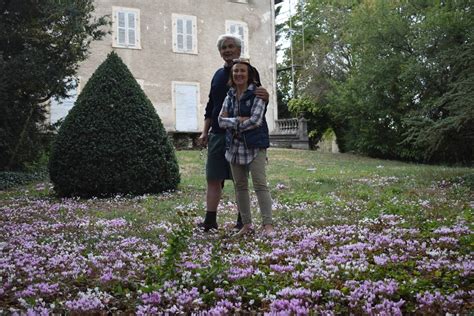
(186, 100)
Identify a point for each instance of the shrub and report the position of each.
(12, 179)
(112, 141)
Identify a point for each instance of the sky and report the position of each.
(288, 8)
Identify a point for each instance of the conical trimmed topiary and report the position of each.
(112, 141)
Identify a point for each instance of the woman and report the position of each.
(243, 115)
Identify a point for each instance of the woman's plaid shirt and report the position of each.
(238, 153)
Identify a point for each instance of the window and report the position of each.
(184, 34)
(186, 101)
(126, 27)
(59, 108)
(241, 30)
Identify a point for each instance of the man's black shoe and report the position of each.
(207, 227)
(239, 224)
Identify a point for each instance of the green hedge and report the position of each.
(112, 141)
(10, 180)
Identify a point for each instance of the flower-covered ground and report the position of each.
(353, 236)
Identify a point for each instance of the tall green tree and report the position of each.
(441, 126)
(282, 100)
(370, 101)
(41, 44)
(395, 77)
(321, 55)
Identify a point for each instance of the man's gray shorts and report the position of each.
(217, 167)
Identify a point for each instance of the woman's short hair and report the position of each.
(252, 75)
(224, 37)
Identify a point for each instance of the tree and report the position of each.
(322, 56)
(370, 101)
(282, 101)
(441, 128)
(41, 44)
(316, 114)
(112, 141)
(395, 77)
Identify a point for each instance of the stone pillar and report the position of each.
(303, 129)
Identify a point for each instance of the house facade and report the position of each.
(170, 48)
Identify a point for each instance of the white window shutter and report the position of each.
(245, 52)
(189, 35)
(121, 28)
(184, 34)
(131, 20)
(131, 29)
(180, 41)
(240, 33)
(121, 19)
(126, 27)
(137, 30)
(240, 30)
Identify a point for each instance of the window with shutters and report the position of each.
(184, 34)
(126, 27)
(241, 30)
(186, 102)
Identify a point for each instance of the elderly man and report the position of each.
(217, 167)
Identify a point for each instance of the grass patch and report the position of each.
(344, 225)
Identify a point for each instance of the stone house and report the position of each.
(170, 48)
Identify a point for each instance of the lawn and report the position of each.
(353, 236)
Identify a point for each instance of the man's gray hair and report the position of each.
(224, 37)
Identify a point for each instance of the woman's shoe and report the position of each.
(246, 229)
(268, 230)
